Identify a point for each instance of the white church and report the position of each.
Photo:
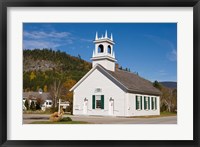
(108, 91)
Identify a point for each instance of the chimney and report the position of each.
(116, 66)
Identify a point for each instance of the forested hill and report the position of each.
(42, 67)
(169, 84)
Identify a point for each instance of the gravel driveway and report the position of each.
(28, 118)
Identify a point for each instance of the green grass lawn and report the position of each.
(162, 114)
(61, 122)
(168, 114)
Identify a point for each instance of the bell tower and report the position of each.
(103, 53)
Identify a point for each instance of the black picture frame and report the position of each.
(4, 4)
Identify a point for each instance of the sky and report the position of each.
(150, 49)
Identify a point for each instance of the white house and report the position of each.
(108, 91)
(45, 97)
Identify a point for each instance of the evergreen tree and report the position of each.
(26, 104)
(32, 107)
(38, 106)
(157, 85)
(38, 103)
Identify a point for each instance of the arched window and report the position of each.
(109, 49)
(100, 48)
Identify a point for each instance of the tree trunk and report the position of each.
(55, 102)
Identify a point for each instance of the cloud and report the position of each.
(50, 39)
(162, 72)
(69, 41)
(42, 34)
(45, 39)
(86, 40)
(31, 44)
(172, 54)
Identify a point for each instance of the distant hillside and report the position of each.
(42, 67)
(169, 84)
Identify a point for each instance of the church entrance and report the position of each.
(111, 106)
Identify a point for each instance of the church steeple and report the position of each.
(103, 53)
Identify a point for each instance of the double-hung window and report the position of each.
(145, 103)
(98, 102)
(148, 103)
(138, 102)
(153, 103)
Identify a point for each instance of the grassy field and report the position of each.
(168, 114)
(162, 114)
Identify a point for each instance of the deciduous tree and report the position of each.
(32, 75)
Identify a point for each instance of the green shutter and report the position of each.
(141, 102)
(152, 104)
(155, 103)
(145, 107)
(136, 102)
(93, 102)
(149, 103)
(102, 101)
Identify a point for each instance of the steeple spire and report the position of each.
(111, 37)
(96, 38)
(106, 35)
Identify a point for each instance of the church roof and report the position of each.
(134, 83)
(128, 81)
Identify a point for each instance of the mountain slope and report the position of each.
(42, 67)
(169, 84)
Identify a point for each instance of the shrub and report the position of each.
(38, 106)
(66, 119)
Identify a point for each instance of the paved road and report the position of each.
(28, 118)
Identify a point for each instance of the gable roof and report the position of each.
(127, 81)
(35, 95)
(134, 83)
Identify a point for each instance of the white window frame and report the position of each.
(154, 103)
(139, 102)
(146, 100)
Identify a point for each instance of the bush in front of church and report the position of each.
(66, 119)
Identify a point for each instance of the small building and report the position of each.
(108, 91)
(45, 98)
